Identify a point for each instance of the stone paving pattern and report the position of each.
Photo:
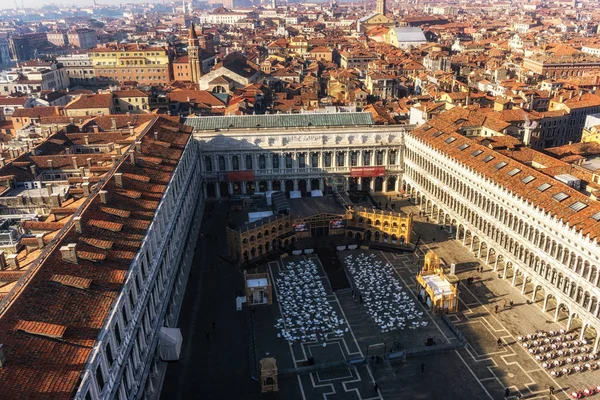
(219, 367)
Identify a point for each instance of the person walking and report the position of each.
(496, 308)
(506, 393)
(499, 342)
(376, 387)
(551, 389)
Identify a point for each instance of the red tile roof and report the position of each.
(580, 220)
(45, 302)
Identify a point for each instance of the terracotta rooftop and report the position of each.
(50, 321)
(496, 166)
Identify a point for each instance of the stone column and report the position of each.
(308, 185)
(321, 184)
(243, 187)
(270, 185)
(217, 190)
(524, 285)
(348, 158)
(372, 184)
(204, 191)
(296, 184)
(230, 187)
(321, 161)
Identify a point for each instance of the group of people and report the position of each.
(560, 351)
(386, 300)
(307, 314)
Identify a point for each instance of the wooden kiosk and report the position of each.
(437, 288)
(258, 289)
(268, 375)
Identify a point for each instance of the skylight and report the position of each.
(501, 165)
(514, 171)
(577, 206)
(463, 146)
(596, 217)
(438, 133)
(544, 187)
(488, 159)
(528, 179)
(450, 140)
(476, 153)
(560, 196)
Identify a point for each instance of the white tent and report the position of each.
(295, 194)
(316, 193)
(170, 341)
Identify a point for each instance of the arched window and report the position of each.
(208, 163)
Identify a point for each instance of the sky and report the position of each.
(39, 3)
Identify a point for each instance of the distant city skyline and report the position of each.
(42, 3)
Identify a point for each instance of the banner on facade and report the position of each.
(240, 176)
(366, 172)
(302, 227)
(337, 224)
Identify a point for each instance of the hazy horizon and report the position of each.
(41, 3)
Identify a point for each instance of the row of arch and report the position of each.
(500, 215)
(554, 286)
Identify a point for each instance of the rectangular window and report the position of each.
(118, 333)
(544, 186)
(577, 206)
(450, 140)
(109, 355)
(527, 179)
(100, 377)
(488, 159)
(463, 146)
(514, 171)
(476, 153)
(500, 165)
(560, 196)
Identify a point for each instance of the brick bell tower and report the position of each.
(194, 55)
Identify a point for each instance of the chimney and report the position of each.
(12, 261)
(89, 162)
(2, 162)
(2, 261)
(33, 169)
(86, 188)
(72, 121)
(131, 131)
(119, 179)
(74, 162)
(50, 164)
(78, 225)
(155, 135)
(103, 196)
(138, 146)
(113, 122)
(69, 253)
(114, 159)
(40, 240)
(86, 139)
(132, 158)
(119, 150)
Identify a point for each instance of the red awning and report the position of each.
(240, 176)
(367, 172)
